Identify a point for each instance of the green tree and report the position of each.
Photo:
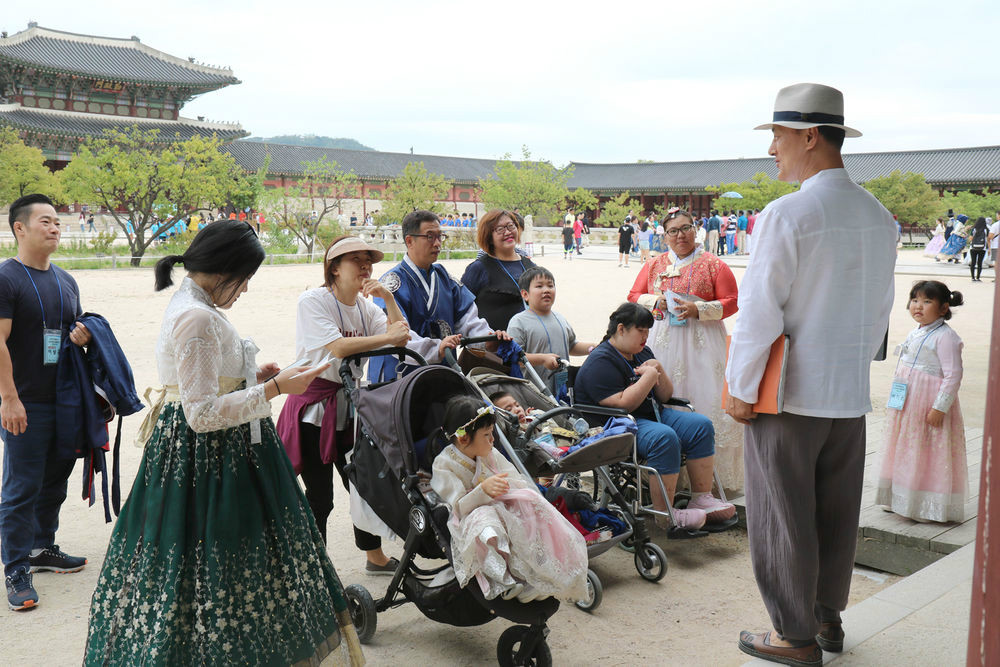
(23, 170)
(416, 188)
(907, 196)
(304, 208)
(147, 184)
(581, 200)
(757, 193)
(615, 210)
(531, 187)
(971, 204)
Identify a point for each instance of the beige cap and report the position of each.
(354, 244)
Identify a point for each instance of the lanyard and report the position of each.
(561, 331)
(920, 347)
(361, 315)
(40, 305)
(428, 289)
(518, 287)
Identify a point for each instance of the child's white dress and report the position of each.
(924, 472)
(518, 537)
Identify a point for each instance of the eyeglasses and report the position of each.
(503, 229)
(432, 237)
(684, 229)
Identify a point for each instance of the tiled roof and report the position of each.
(126, 60)
(954, 166)
(372, 165)
(86, 124)
(957, 166)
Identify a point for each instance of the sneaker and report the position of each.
(388, 569)
(691, 519)
(715, 509)
(53, 559)
(20, 593)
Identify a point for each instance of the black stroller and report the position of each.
(599, 458)
(397, 434)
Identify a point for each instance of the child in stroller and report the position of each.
(504, 533)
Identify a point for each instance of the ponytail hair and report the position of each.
(164, 268)
(229, 249)
(630, 315)
(936, 290)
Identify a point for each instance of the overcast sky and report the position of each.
(575, 81)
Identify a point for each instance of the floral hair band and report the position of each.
(463, 429)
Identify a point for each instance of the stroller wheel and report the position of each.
(509, 646)
(595, 593)
(363, 613)
(650, 562)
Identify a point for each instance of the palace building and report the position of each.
(58, 88)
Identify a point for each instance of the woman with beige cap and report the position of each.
(337, 319)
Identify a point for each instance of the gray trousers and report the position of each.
(804, 477)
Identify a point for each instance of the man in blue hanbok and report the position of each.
(438, 308)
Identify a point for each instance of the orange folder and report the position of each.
(771, 392)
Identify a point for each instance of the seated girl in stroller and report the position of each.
(504, 533)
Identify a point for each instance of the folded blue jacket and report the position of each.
(92, 386)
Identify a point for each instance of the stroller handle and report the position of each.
(399, 352)
(472, 340)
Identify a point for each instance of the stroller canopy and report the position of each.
(402, 413)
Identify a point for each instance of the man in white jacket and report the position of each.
(807, 279)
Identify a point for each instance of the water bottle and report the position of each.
(580, 425)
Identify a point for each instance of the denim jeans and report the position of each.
(661, 443)
(34, 487)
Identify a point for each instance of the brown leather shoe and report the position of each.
(831, 637)
(759, 646)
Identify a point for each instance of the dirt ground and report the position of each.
(692, 616)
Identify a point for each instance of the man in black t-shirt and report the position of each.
(39, 305)
(625, 233)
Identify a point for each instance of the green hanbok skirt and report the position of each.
(216, 560)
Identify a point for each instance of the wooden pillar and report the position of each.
(984, 618)
(364, 204)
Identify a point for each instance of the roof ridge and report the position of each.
(35, 30)
(85, 115)
(355, 150)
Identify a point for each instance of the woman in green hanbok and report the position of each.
(215, 558)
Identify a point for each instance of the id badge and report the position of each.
(676, 321)
(51, 342)
(897, 395)
(559, 379)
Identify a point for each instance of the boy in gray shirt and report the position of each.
(543, 334)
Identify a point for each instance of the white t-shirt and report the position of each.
(995, 231)
(321, 319)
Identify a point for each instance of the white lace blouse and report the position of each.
(197, 347)
(940, 356)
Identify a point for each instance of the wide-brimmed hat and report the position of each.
(354, 244)
(805, 105)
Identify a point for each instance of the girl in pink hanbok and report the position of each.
(504, 534)
(924, 471)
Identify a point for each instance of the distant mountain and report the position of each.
(313, 140)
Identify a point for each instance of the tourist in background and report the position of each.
(954, 248)
(934, 246)
(741, 233)
(714, 224)
(978, 240)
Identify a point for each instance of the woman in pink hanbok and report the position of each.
(934, 246)
(924, 471)
(504, 534)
